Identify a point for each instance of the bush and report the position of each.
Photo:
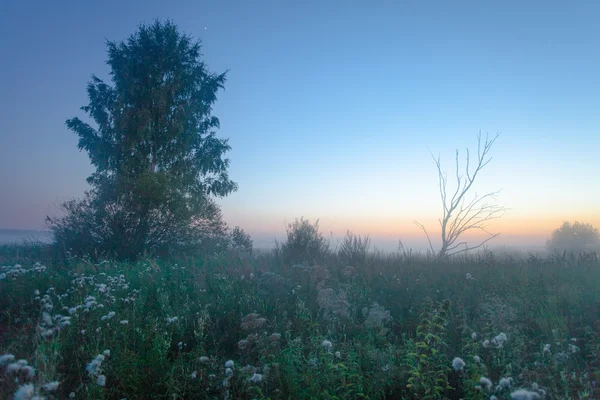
(354, 249)
(305, 244)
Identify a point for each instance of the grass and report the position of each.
(257, 328)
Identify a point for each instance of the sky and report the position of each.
(333, 107)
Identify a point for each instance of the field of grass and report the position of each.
(231, 327)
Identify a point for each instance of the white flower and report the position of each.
(458, 364)
(2, 276)
(505, 382)
(25, 392)
(547, 348)
(124, 322)
(6, 358)
(573, 348)
(474, 336)
(106, 353)
(204, 360)
(476, 359)
(338, 354)
(194, 374)
(72, 395)
(523, 394)
(486, 343)
(500, 339)
(101, 381)
(485, 382)
(228, 372)
(327, 345)
(229, 364)
(256, 378)
(171, 320)
(51, 386)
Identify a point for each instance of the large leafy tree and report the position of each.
(159, 164)
(578, 237)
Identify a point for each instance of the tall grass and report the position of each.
(227, 326)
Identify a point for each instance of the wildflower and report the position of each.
(6, 358)
(243, 344)
(2, 276)
(573, 349)
(458, 364)
(204, 360)
(82, 331)
(194, 374)
(25, 392)
(37, 292)
(72, 310)
(499, 340)
(29, 371)
(474, 336)
(124, 322)
(338, 354)
(377, 317)
(505, 382)
(469, 276)
(574, 340)
(51, 386)
(485, 383)
(72, 395)
(486, 343)
(106, 353)
(275, 337)
(228, 372)
(171, 320)
(256, 378)
(229, 364)
(252, 321)
(327, 345)
(101, 381)
(13, 368)
(534, 386)
(476, 359)
(47, 319)
(93, 367)
(108, 316)
(547, 348)
(523, 394)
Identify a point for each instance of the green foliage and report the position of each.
(186, 318)
(354, 249)
(577, 237)
(304, 244)
(157, 158)
(428, 376)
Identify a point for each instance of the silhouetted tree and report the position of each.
(577, 237)
(461, 215)
(159, 164)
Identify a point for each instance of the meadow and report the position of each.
(235, 326)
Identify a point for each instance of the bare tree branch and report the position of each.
(426, 234)
(459, 215)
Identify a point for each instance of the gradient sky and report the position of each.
(331, 107)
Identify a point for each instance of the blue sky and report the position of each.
(331, 107)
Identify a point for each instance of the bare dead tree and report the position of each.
(461, 215)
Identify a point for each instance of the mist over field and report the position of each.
(299, 200)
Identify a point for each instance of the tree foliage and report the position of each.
(577, 237)
(159, 164)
